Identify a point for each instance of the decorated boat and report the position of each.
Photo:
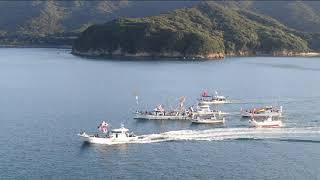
(115, 136)
(267, 111)
(207, 99)
(204, 109)
(207, 120)
(160, 113)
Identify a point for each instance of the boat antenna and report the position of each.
(136, 94)
(137, 100)
(278, 101)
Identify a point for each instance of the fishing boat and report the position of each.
(207, 99)
(266, 123)
(207, 120)
(204, 109)
(159, 113)
(115, 136)
(262, 112)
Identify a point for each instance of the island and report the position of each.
(208, 30)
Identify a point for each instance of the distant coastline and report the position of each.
(142, 56)
(36, 46)
(95, 54)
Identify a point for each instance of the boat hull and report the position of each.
(266, 124)
(272, 114)
(213, 102)
(209, 113)
(154, 117)
(208, 121)
(106, 141)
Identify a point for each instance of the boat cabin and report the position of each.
(203, 108)
(120, 133)
(205, 98)
(219, 98)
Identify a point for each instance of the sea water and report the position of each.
(48, 95)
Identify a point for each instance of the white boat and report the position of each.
(204, 109)
(267, 123)
(207, 120)
(268, 111)
(207, 99)
(161, 116)
(116, 136)
(159, 113)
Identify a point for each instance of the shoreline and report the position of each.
(90, 56)
(37, 46)
(137, 57)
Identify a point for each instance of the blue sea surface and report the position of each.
(48, 95)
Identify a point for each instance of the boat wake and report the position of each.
(308, 134)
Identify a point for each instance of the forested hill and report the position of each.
(54, 16)
(208, 30)
(300, 15)
(56, 22)
(41, 18)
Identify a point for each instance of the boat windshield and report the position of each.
(220, 98)
(121, 130)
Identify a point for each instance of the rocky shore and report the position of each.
(176, 55)
(117, 54)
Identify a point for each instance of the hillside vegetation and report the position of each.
(54, 22)
(299, 15)
(207, 30)
(76, 15)
(40, 18)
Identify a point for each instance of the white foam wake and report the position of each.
(311, 133)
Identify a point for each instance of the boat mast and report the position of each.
(182, 99)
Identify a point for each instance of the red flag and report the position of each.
(103, 127)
